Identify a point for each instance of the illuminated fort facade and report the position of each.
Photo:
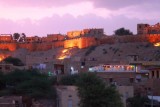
(80, 39)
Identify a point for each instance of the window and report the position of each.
(16, 104)
(139, 80)
(7, 67)
(152, 73)
(82, 63)
(69, 103)
(157, 74)
(110, 79)
(131, 80)
(126, 95)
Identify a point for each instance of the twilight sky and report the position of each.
(42, 17)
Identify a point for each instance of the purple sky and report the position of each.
(42, 17)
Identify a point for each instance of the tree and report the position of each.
(16, 77)
(14, 61)
(19, 37)
(122, 31)
(138, 101)
(28, 83)
(2, 80)
(16, 36)
(69, 79)
(36, 88)
(93, 92)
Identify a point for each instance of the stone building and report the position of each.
(5, 38)
(67, 96)
(6, 68)
(11, 101)
(125, 92)
(148, 29)
(86, 32)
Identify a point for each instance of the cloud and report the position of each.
(109, 4)
(58, 24)
(22, 9)
(144, 11)
(60, 16)
(118, 4)
(38, 3)
(35, 13)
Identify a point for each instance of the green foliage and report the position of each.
(16, 77)
(53, 80)
(92, 90)
(36, 88)
(2, 80)
(14, 61)
(112, 97)
(69, 79)
(138, 101)
(28, 82)
(16, 35)
(94, 93)
(122, 31)
(92, 48)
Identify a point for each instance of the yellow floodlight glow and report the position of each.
(157, 44)
(64, 51)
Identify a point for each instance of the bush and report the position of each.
(69, 79)
(14, 61)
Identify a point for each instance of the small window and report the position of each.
(70, 96)
(70, 103)
(7, 67)
(131, 80)
(152, 73)
(157, 74)
(126, 95)
(139, 80)
(110, 79)
(17, 104)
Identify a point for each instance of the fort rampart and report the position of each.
(81, 42)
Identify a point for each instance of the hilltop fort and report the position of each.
(80, 39)
(128, 60)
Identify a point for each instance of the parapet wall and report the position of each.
(8, 46)
(152, 38)
(82, 42)
(31, 46)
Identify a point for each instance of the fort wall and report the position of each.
(4, 38)
(152, 38)
(82, 42)
(8, 46)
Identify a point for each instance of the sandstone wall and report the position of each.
(83, 42)
(8, 46)
(152, 38)
(6, 38)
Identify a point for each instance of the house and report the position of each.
(67, 96)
